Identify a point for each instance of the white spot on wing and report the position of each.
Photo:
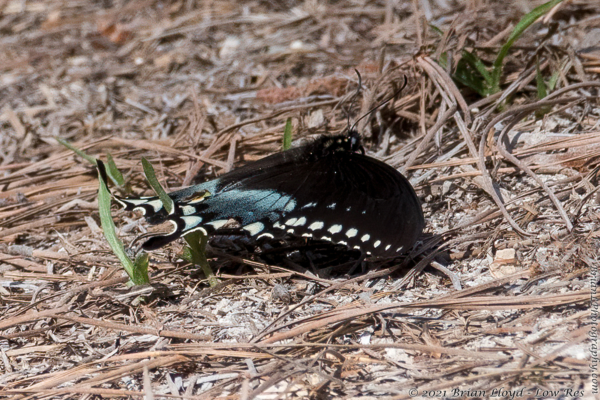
(301, 221)
(351, 232)
(218, 223)
(308, 235)
(291, 221)
(265, 235)
(191, 221)
(254, 228)
(326, 238)
(332, 206)
(187, 210)
(290, 230)
(342, 242)
(348, 209)
(335, 229)
(364, 238)
(309, 205)
(316, 225)
(278, 225)
(155, 204)
(357, 247)
(377, 243)
(388, 247)
(399, 249)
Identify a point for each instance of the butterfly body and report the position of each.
(327, 190)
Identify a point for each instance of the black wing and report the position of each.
(340, 196)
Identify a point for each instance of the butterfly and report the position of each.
(326, 190)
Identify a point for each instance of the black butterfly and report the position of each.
(326, 190)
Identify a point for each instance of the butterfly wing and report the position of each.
(341, 197)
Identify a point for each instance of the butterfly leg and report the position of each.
(361, 261)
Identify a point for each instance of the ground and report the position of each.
(496, 300)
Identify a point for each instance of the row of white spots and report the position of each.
(258, 227)
(336, 228)
(192, 222)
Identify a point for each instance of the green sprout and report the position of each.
(137, 269)
(287, 134)
(472, 72)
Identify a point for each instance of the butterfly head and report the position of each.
(327, 145)
(354, 142)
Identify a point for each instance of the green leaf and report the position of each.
(523, 24)
(553, 80)
(436, 29)
(140, 268)
(80, 153)
(443, 60)
(158, 189)
(467, 76)
(196, 254)
(476, 63)
(137, 273)
(287, 134)
(539, 80)
(113, 171)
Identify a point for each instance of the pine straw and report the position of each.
(511, 200)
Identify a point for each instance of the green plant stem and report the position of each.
(197, 255)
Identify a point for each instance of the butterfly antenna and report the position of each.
(396, 93)
(353, 100)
